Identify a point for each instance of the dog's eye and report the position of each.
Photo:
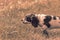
(28, 19)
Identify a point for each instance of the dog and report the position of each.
(42, 20)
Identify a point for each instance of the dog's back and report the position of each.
(53, 21)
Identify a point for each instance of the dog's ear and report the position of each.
(32, 15)
(35, 21)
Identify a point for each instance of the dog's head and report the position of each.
(31, 18)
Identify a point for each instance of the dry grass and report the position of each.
(12, 11)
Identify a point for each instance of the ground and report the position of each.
(12, 11)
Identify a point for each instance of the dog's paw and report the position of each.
(46, 33)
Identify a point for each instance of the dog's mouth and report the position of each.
(26, 22)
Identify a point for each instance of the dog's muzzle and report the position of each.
(25, 22)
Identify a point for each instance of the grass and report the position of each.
(11, 26)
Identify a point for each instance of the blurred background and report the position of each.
(12, 11)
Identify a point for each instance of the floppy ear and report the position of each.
(35, 21)
(32, 15)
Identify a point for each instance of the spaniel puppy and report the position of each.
(44, 21)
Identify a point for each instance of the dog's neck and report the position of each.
(40, 15)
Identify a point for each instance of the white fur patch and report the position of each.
(57, 18)
(41, 15)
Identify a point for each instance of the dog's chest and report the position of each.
(41, 19)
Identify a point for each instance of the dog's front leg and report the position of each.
(44, 27)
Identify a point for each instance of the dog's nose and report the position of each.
(21, 20)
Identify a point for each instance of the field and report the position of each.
(12, 11)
